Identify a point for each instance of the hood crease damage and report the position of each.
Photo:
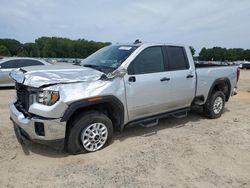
(50, 75)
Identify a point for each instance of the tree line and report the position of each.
(57, 47)
(224, 54)
(54, 47)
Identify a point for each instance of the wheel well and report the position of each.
(222, 85)
(108, 108)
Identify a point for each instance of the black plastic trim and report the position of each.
(85, 103)
(157, 116)
(219, 81)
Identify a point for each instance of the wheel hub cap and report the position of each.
(94, 136)
(218, 105)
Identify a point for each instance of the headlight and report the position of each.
(48, 97)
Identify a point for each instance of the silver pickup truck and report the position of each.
(79, 107)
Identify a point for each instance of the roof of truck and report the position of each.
(148, 44)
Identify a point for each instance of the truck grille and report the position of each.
(22, 96)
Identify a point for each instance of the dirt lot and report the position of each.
(189, 152)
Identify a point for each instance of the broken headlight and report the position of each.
(47, 97)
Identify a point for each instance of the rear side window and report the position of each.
(29, 62)
(11, 64)
(149, 60)
(177, 59)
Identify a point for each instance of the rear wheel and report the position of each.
(89, 132)
(215, 105)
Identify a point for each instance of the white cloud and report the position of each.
(194, 22)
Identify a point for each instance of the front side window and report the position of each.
(11, 64)
(108, 58)
(176, 58)
(149, 60)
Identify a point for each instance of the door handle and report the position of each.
(190, 76)
(132, 79)
(164, 79)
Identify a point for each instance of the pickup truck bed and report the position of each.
(207, 75)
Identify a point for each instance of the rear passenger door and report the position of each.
(183, 78)
(147, 84)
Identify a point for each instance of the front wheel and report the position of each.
(215, 105)
(89, 132)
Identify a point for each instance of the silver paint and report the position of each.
(54, 129)
(147, 96)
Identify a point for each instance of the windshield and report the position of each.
(108, 58)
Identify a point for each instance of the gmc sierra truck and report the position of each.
(79, 107)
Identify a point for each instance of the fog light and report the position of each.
(39, 128)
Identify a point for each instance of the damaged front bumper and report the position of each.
(37, 129)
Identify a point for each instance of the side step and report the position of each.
(180, 114)
(154, 120)
(151, 123)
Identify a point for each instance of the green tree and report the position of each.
(13, 45)
(31, 49)
(22, 53)
(4, 51)
(192, 50)
(63, 47)
(222, 54)
(246, 55)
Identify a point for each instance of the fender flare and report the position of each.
(111, 100)
(217, 82)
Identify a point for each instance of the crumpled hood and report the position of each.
(37, 76)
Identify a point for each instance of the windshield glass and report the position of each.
(108, 58)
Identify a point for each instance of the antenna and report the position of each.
(137, 41)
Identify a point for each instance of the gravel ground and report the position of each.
(188, 152)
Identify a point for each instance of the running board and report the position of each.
(148, 124)
(154, 120)
(180, 115)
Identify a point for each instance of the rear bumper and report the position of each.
(37, 129)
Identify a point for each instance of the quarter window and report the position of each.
(177, 58)
(149, 60)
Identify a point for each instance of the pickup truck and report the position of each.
(78, 108)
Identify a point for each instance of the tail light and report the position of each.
(238, 74)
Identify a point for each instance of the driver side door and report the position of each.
(147, 84)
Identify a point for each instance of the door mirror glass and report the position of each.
(120, 73)
(117, 73)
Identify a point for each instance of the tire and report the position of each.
(215, 105)
(89, 128)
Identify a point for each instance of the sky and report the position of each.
(198, 23)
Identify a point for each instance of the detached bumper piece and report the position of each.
(41, 130)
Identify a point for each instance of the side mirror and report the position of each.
(120, 73)
(117, 73)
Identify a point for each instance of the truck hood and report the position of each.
(37, 76)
